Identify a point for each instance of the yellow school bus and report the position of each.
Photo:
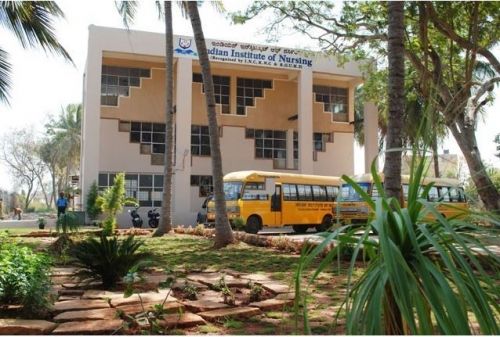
(448, 192)
(277, 199)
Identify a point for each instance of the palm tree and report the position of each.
(32, 23)
(223, 232)
(127, 10)
(392, 167)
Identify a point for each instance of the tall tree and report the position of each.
(223, 232)
(32, 24)
(127, 10)
(444, 43)
(396, 98)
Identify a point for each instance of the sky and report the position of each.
(43, 84)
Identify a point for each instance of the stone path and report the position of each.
(90, 311)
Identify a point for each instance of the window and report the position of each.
(320, 140)
(319, 193)
(200, 140)
(222, 85)
(335, 100)
(289, 192)
(444, 194)
(433, 194)
(269, 144)
(304, 192)
(147, 188)
(246, 91)
(253, 191)
(406, 188)
(150, 135)
(116, 81)
(375, 193)
(332, 192)
(204, 183)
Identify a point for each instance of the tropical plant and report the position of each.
(223, 232)
(112, 201)
(93, 207)
(108, 259)
(24, 277)
(239, 223)
(32, 24)
(67, 223)
(423, 274)
(41, 222)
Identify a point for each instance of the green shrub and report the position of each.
(67, 223)
(108, 259)
(239, 223)
(94, 208)
(112, 201)
(24, 278)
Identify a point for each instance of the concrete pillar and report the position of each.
(305, 121)
(289, 149)
(370, 127)
(89, 157)
(182, 171)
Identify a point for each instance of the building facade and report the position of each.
(278, 109)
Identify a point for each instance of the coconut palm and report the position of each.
(223, 232)
(32, 24)
(127, 10)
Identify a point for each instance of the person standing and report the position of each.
(61, 203)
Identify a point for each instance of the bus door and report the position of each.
(276, 205)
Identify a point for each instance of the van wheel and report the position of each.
(300, 229)
(325, 224)
(253, 225)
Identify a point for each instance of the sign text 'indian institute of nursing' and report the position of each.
(244, 53)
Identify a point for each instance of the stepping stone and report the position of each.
(68, 298)
(179, 284)
(101, 294)
(63, 271)
(135, 309)
(203, 305)
(85, 315)
(211, 295)
(70, 292)
(275, 287)
(64, 279)
(99, 327)
(285, 296)
(82, 286)
(12, 326)
(256, 277)
(79, 305)
(205, 278)
(272, 304)
(221, 314)
(231, 272)
(185, 320)
(150, 297)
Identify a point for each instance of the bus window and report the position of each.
(332, 192)
(374, 193)
(444, 193)
(232, 190)
(319, 193)
(254, 191)
(289, 192)
(433, 194)
(350, 194)
(304, 192)
(461, 195)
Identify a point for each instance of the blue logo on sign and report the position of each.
(185, 47)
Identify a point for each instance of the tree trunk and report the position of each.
(392, 166)
(466, 139)
(166, 218)
(223, 232)
(435, 156)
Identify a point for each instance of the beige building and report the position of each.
(278, 109)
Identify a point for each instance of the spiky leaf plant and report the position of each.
(423, 274)
(108, 259)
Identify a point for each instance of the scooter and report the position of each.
(136, 218)
(154, 218)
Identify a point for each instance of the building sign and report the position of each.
(244, 53)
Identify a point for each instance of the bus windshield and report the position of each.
(232, 190)
(350, 194)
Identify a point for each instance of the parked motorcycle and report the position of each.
(136, 218)
(154, 218)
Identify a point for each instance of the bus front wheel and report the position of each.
(325, 224)
(300, 229)
(253, 225)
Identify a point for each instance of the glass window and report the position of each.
(222, 85)
(319, 193)
(433, 194)
(204, 183)
(200, 140)
(247, 90)
(103, 179)
(116, 81)
(270, 144)
(289, 192)
(444, 194)
(232, 190)
(350, 194)
(146, 180)
(304, 192)
(332, 192)
(335, 100)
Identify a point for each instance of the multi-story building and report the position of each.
(277, 108)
